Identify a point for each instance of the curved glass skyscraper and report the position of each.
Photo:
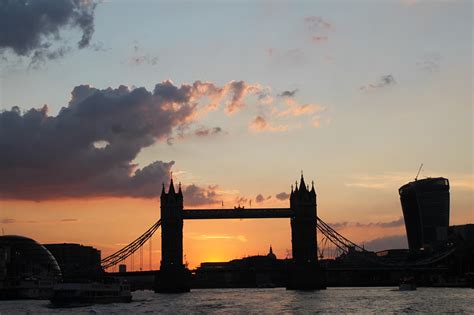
(425, 205)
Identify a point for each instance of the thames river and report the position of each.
(273, 301)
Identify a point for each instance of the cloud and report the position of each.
(317, 27)
(52, 157)
(296, 109)
(389, 180)
(282, 196)
(11, 221)
(317, 23)
(204, 132)
(69, 220)
(7, 221)
(316, 122)
(319, 39)
(139, 58)
(429, 63)
(34, 28)
(385, 80)
(207, 237)
(391, 224)
(260, 198)
(239, 89)
(465, 182)
(197, 196)
(288, 93)
(260, 124)
(241, 200)
(387, 242)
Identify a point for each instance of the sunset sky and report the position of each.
(102, 100)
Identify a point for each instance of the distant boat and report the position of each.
(107, 290)
(407, 284)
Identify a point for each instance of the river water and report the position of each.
(273, 301)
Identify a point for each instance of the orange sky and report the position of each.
(111, 223)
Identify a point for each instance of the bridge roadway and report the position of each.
(237, 213)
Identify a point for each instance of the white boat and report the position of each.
(107, 290)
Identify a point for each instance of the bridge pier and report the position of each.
(173, 276)
(304, 273)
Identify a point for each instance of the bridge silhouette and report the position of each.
(304, 272)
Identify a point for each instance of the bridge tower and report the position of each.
(173, 275)
(305, 272)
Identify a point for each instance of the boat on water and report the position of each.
(407, 284)
(102, 291)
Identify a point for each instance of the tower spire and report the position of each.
(302, 183)
(171, 189)
(162, 189)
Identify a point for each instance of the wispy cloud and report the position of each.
(260, 124)
(429, 63)
(204, 131)
(317, 23)
(384, 81)
(319, 39)
(390, 181)
(288, 93)
(208, 237)
(345, 224)
(139, 57)
(15, 221)
(318, 28)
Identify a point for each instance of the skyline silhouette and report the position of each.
(101, 101)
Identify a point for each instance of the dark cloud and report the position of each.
(196, 196)
(260, 198)
(33, 27)
(282, 196)
(203, 131)
(48, 157)
(385, 80)
(288, 93)
(387, 242)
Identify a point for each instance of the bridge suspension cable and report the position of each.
(345, 244)
(337, 239)
(131, 248)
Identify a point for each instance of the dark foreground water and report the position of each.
(271, 301)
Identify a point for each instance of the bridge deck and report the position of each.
(260, 213)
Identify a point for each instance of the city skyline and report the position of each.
(235, 99)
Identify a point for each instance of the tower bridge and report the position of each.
(304, 273)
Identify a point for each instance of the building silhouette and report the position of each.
(425, 205)
(27, 269)
(75, 260)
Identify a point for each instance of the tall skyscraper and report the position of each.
(425, 205)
